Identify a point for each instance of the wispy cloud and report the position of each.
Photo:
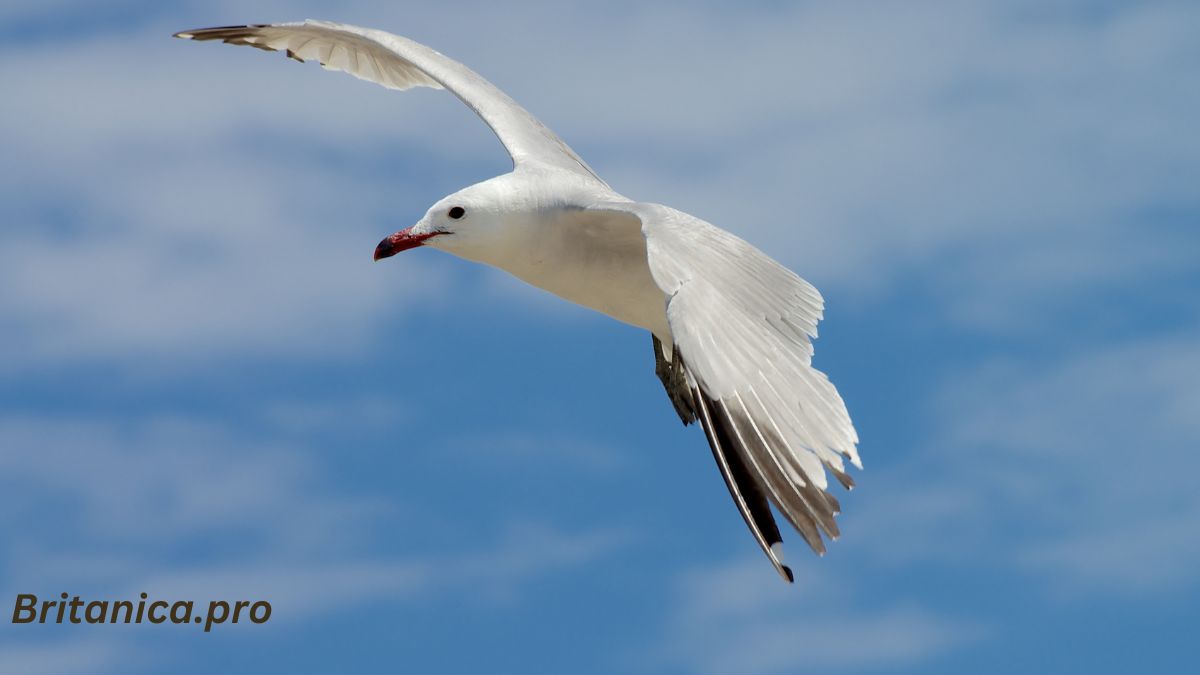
(1095, 455)
(61, 657)
(185, 508)
(171, 226)
(1077, 472)
(732, 618)
(863, 145)
(1016, 180)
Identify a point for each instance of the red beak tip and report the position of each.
(401, 241)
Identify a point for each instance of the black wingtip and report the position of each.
(787, 574)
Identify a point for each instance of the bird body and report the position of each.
(550, 235)
(731, 327)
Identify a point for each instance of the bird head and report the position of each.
(466, 223)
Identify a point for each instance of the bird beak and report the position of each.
(401, 241)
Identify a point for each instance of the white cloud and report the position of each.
(1081, 470)
(152, 485)
(166, 202)
(960, 145)
(152, 215)
(259, 521)
(1075, 471)
(68, 657)
(178, 272)
(735, 619)
(524, 552)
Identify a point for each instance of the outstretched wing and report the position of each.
(742, 325)
(399, 63)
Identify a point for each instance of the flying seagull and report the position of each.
(731, 328)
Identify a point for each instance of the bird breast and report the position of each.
(591, 258)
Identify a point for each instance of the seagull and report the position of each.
(731, 327)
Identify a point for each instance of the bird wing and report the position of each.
(399, 63)
(742, 325)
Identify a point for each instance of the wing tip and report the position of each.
(786, 573)
(220, 32)
(845, 479)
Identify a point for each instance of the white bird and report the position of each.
(731, 327)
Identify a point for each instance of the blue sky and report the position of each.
(208, 390)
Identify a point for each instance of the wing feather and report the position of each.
(400, 63)
(770, 473)
(746, 492)
(743, 324)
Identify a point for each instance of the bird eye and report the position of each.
(457, 212)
